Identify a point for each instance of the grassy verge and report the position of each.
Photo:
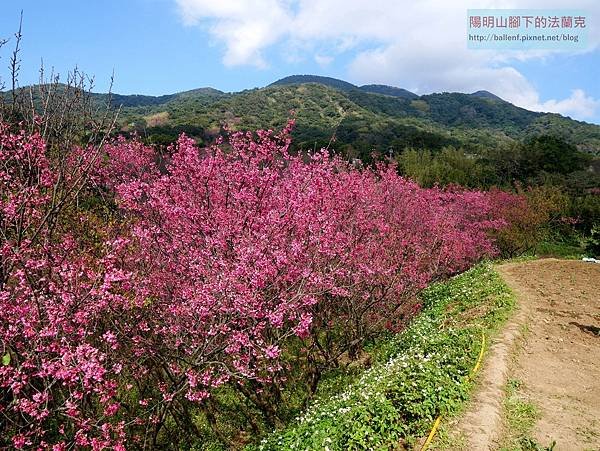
(559, 249)
(416, 375)
(520, 416)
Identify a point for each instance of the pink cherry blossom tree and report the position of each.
(238, 267)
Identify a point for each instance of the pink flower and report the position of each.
(111, 409)
(272, 352)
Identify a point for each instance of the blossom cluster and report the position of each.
(240, 264)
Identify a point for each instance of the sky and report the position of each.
(163, 46)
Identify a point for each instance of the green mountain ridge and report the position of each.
(486, 95)
(359, 121)
(345, 86)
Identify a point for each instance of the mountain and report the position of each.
(388, 91)
(486, 95)
(136, 100)
(303, 79)
(362, 119)
(344, 85)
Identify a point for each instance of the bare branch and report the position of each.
(15, 62)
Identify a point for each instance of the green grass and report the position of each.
(416, 375)
(520, 416)
(560, 250)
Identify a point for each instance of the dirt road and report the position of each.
(551, 348)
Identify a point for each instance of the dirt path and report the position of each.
(552, 347)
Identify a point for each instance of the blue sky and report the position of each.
(163, 46)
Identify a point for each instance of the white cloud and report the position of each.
(418, 44)
(246, 28)
(578, 105)
(323, 60)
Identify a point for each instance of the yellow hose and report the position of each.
(476, 367)
(437, 421)
(432, 433)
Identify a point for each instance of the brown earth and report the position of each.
(552, 346)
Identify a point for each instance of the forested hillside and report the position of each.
(362, 119)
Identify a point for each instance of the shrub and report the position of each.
(60, 373)
(530, 215)
(260, 270)
(593, 244)
(237, 271)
